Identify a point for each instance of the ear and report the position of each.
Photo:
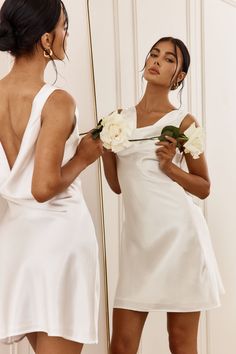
(181, 77)
(46, 41)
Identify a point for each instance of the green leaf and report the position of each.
(173, 132)
(170, 130)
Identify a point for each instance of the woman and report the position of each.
(49, 276)
(167, 262)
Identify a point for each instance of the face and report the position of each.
(163, 68)
(60, 40)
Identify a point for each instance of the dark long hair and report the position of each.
(185, 53)
(23, 22)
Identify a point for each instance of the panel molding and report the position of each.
(189, 45)
(117, 53)
(203, 98)
(135, 41)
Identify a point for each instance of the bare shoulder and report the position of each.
(60, 107)
(60, 99)
(187, 121)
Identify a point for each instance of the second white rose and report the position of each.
(194, 145)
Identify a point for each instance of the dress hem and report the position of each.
(161, 307)
(19, 335)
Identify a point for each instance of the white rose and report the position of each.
(194, 145)
(116, 132)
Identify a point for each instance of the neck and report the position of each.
(155, 99)
(29, 69)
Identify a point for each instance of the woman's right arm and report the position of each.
(50, 177)
(110, 170)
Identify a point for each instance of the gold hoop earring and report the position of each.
(175, 86)
(48, 53)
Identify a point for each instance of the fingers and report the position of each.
(90, 137)
(98, 144)
(170, 139)
(170, 142)
(166, 150)
(170, 148)
(164, 155)
(94, 144)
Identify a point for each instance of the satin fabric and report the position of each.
(166, 257)
(49, 270)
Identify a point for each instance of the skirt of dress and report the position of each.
(49, 273)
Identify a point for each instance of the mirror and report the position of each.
(76, 76)
(122, 34)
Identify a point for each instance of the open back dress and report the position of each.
(49, 273)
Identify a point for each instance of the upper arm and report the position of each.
(195, 166)
(58, 118)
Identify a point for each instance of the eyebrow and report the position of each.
(170, 53)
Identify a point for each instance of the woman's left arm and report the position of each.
(196, 181)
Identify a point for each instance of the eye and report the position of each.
(169, 60)
(153, 55)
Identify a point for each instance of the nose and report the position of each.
(157, 62)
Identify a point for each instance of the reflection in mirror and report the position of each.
(76, 77)
(127, 33)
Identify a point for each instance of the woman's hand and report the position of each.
(89, 149)
(195, 180)
(166, 152)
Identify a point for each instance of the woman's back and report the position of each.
(22, 124)
(16, 100)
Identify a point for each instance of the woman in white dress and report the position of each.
(166, 258)
(49, 276)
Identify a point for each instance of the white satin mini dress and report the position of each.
(166, 257)
(49, 270)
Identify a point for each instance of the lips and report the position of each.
(154, 71)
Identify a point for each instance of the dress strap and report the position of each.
(130, 114)
(181, 115)
(40, 100)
